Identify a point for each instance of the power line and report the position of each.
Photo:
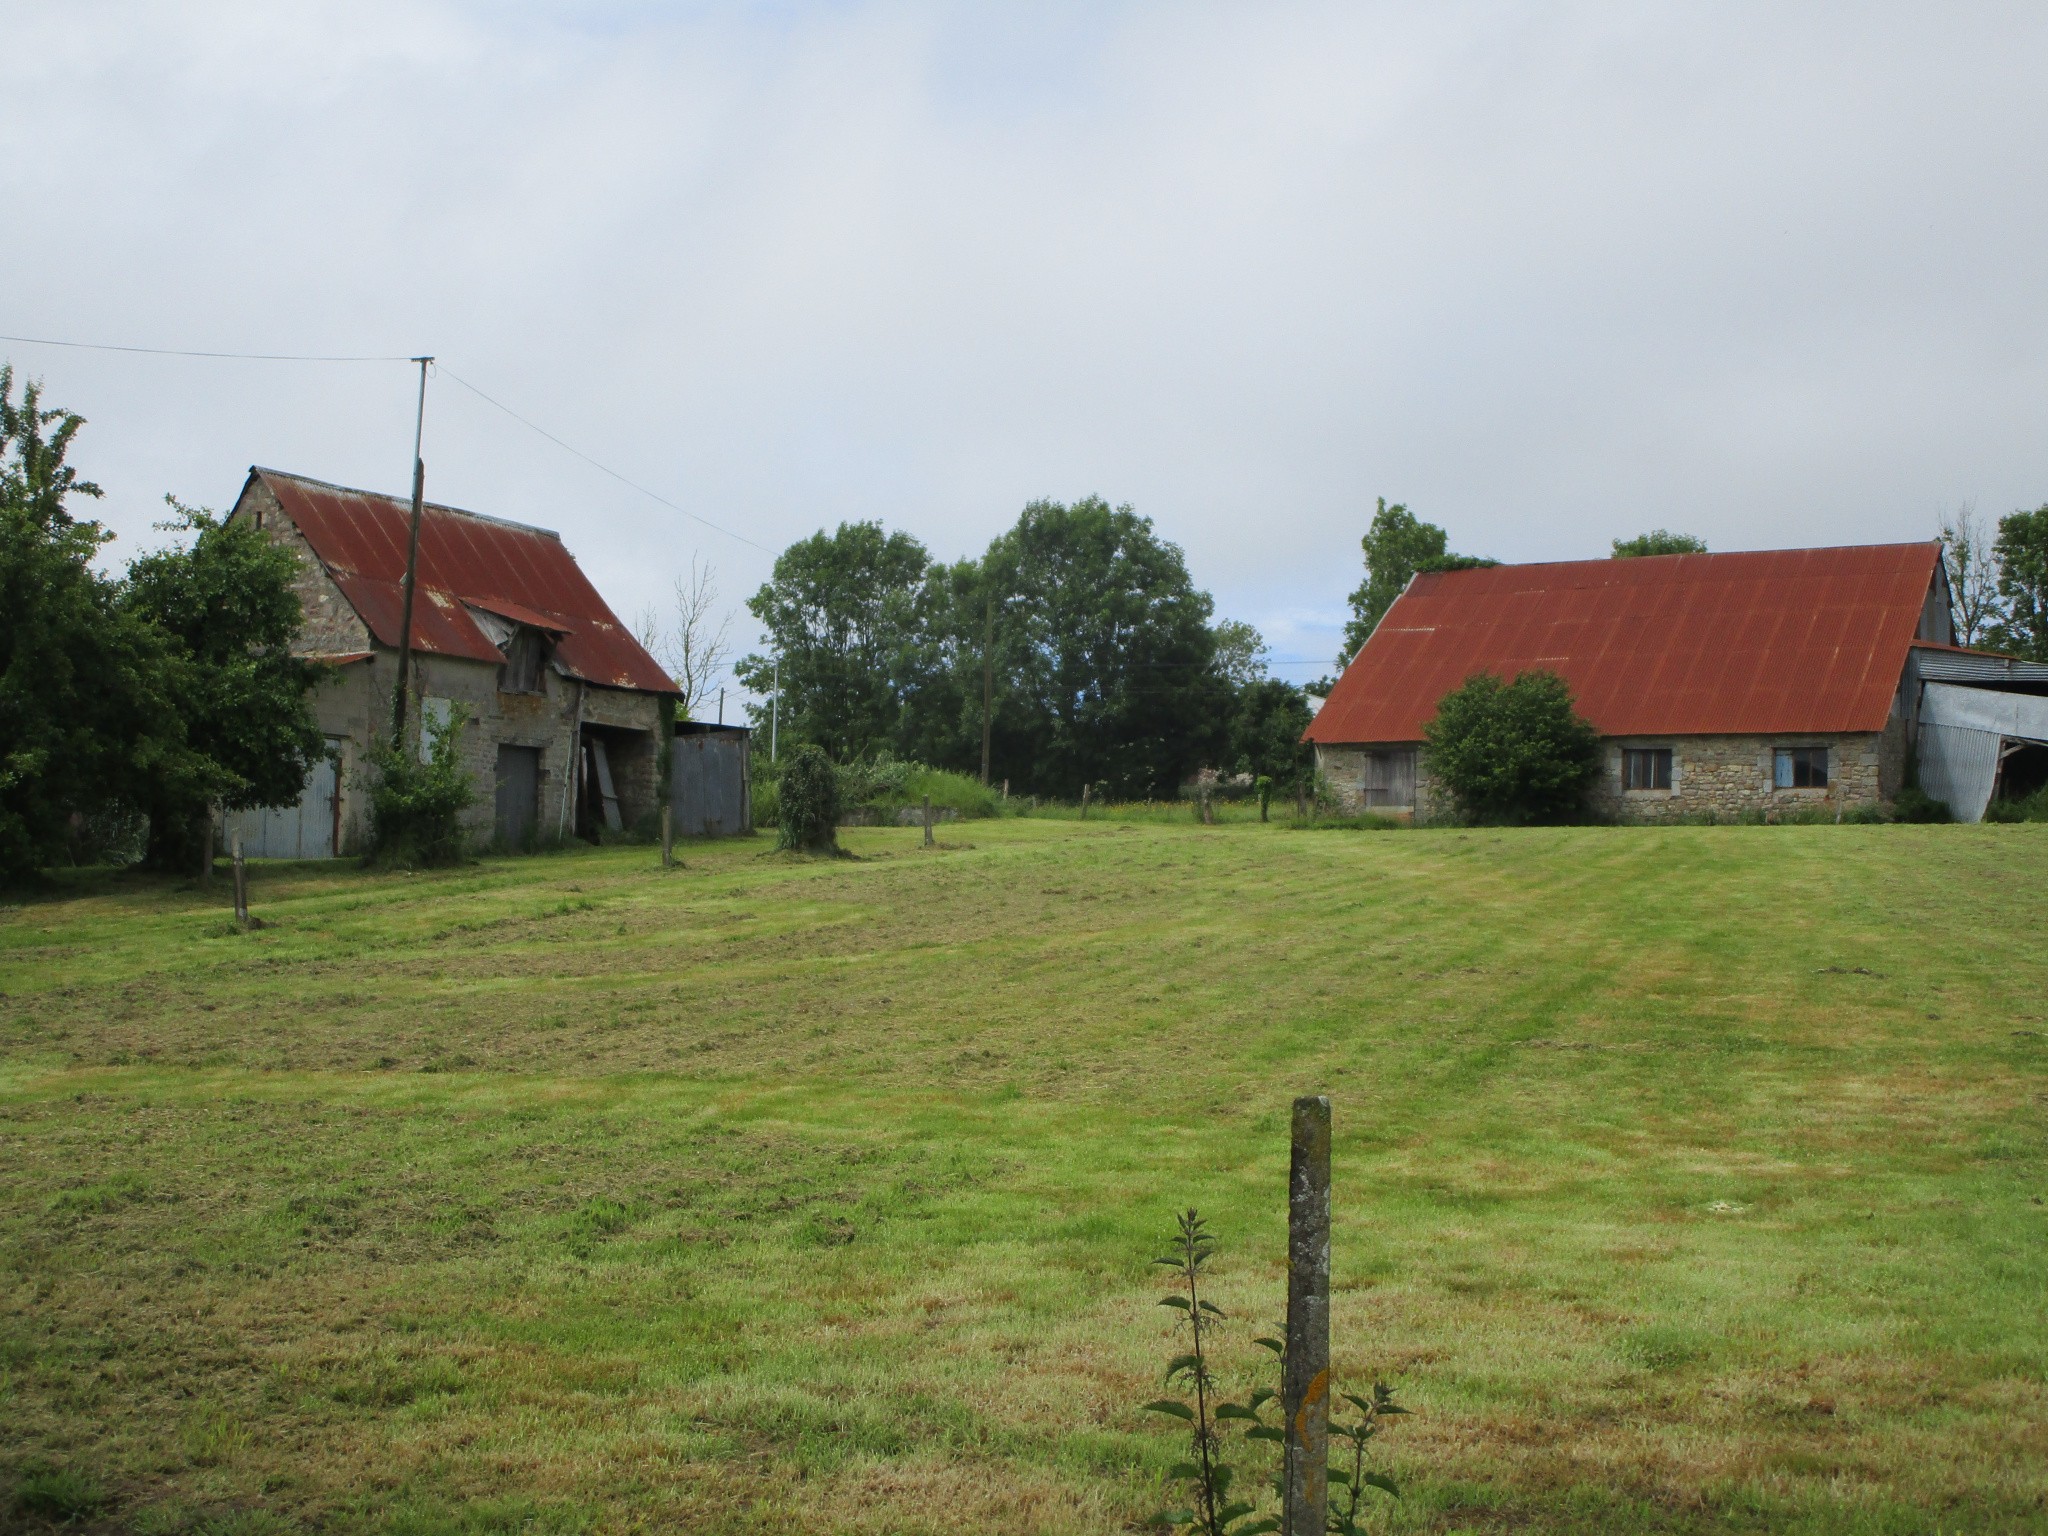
(247, 357)
(301, 357)
(601, 467)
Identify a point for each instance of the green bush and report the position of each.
(1915, 804)
(416, 807)
(2033, 808)
(1515, 753)
(872, 783)
(808, 803)
(961, 793)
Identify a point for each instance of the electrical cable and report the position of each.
(247, 357)
(297, 357)
(595, 464)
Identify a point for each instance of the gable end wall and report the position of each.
(329, 624)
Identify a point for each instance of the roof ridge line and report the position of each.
(405, 502)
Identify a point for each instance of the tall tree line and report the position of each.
(1075, 650)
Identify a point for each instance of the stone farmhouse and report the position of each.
(1736, 685)
(562, 712)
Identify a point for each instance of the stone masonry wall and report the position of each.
(1727, 777)
(328, 624)
(1730, 777)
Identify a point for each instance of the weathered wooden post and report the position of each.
(1084, 802)
(667, 841)
(241, 886)
(1305, 1377)
(927, 821)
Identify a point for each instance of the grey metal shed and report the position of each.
(710, 793)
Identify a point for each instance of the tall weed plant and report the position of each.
(1219, 1501)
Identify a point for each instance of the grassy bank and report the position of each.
(1688, 1179)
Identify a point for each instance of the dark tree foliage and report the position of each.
(1398, 545)
(1079, 625)
(807, 816)
(1105, 657)
(1659, 542)
(85, 722)
(2022, 550)
(227, 607)
(842, 608)
(1512, 753)
(1266, 723)
(961, 618)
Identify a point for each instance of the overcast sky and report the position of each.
(1551, 274)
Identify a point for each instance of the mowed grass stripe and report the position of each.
(822, 1194)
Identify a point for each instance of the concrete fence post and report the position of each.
(1305, 1377)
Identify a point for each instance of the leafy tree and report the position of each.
(1397, 546)
(842, 610)
(227, 607)
(84, 719)
(1240, 653)
(1658, 542)
(1265, 734)
(1972, 575)
(963, 625)
(2022, 550)
(1106, 661)
(1512, 753)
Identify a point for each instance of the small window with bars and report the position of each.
(1646, 768)
(1800, 768)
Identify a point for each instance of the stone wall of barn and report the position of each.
(1731, 778)
(328, 623)
(1727, 778)
(353, 706)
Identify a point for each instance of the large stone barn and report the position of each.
(1734, 685)
(562, 712)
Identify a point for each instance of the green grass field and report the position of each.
(1687, 1179)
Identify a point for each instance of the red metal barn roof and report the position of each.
(1760, 642)
(524, 573)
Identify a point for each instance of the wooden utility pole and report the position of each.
(988, 678)
(1305, 1376)
(412, 561)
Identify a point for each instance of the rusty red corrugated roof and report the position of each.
(1758, 642)
(525, 573)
